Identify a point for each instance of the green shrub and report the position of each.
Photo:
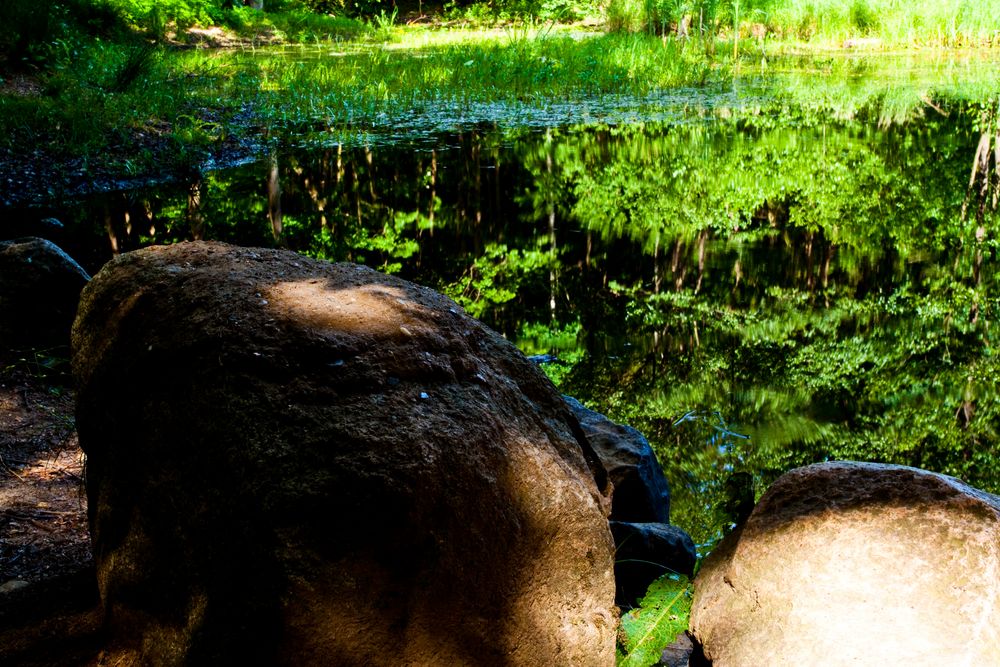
(319, 6)
(662, 615)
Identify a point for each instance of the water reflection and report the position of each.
(824, 285)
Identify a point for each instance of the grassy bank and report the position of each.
(132, 105)
(107, 87)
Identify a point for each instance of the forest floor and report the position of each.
(48, 597)
(43, 508)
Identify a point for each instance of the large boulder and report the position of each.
(39, 289)
(856, 564)
(296, 462)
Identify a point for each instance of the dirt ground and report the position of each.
(43, 522)
(48, 597)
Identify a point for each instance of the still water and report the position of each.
(757, 277)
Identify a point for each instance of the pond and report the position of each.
(793, 268)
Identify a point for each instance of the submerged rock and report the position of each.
(297, 462)
(19, 224)
(856, 563)
(39, 289)
(647, 547)
(641, 491)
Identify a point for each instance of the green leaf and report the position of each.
(661, 616)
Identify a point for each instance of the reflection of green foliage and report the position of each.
(862, 342)
(803, 270)
(495, 278)
(661, 615)
(391, 243)
(559, 341)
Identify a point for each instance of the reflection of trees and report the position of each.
(984, 193)
(834, 314)
(195, 220)
(274, 214)
(984, 182)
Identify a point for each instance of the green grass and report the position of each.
(823, 23)
(894, 22)
(300, 27)
(507, 68)
(113, 93)
(110, 98)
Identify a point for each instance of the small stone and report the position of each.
(849, 563)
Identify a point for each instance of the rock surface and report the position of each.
(856, 564)
(644, 553)
(39, 289)
(646, 545)
(296, 462)
(641, 491)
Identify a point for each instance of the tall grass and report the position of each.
(516, 68)
(895, 22)
(890, 23)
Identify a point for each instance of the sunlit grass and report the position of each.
(892, 22)
(418, 75)
(502, 67)
(820, 24)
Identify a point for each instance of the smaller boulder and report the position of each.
(645, 552)
(641, 491)
(40, 288)
(847, 563)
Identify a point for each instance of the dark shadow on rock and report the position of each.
(647, 547)
(641, 491)
(697, 657)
